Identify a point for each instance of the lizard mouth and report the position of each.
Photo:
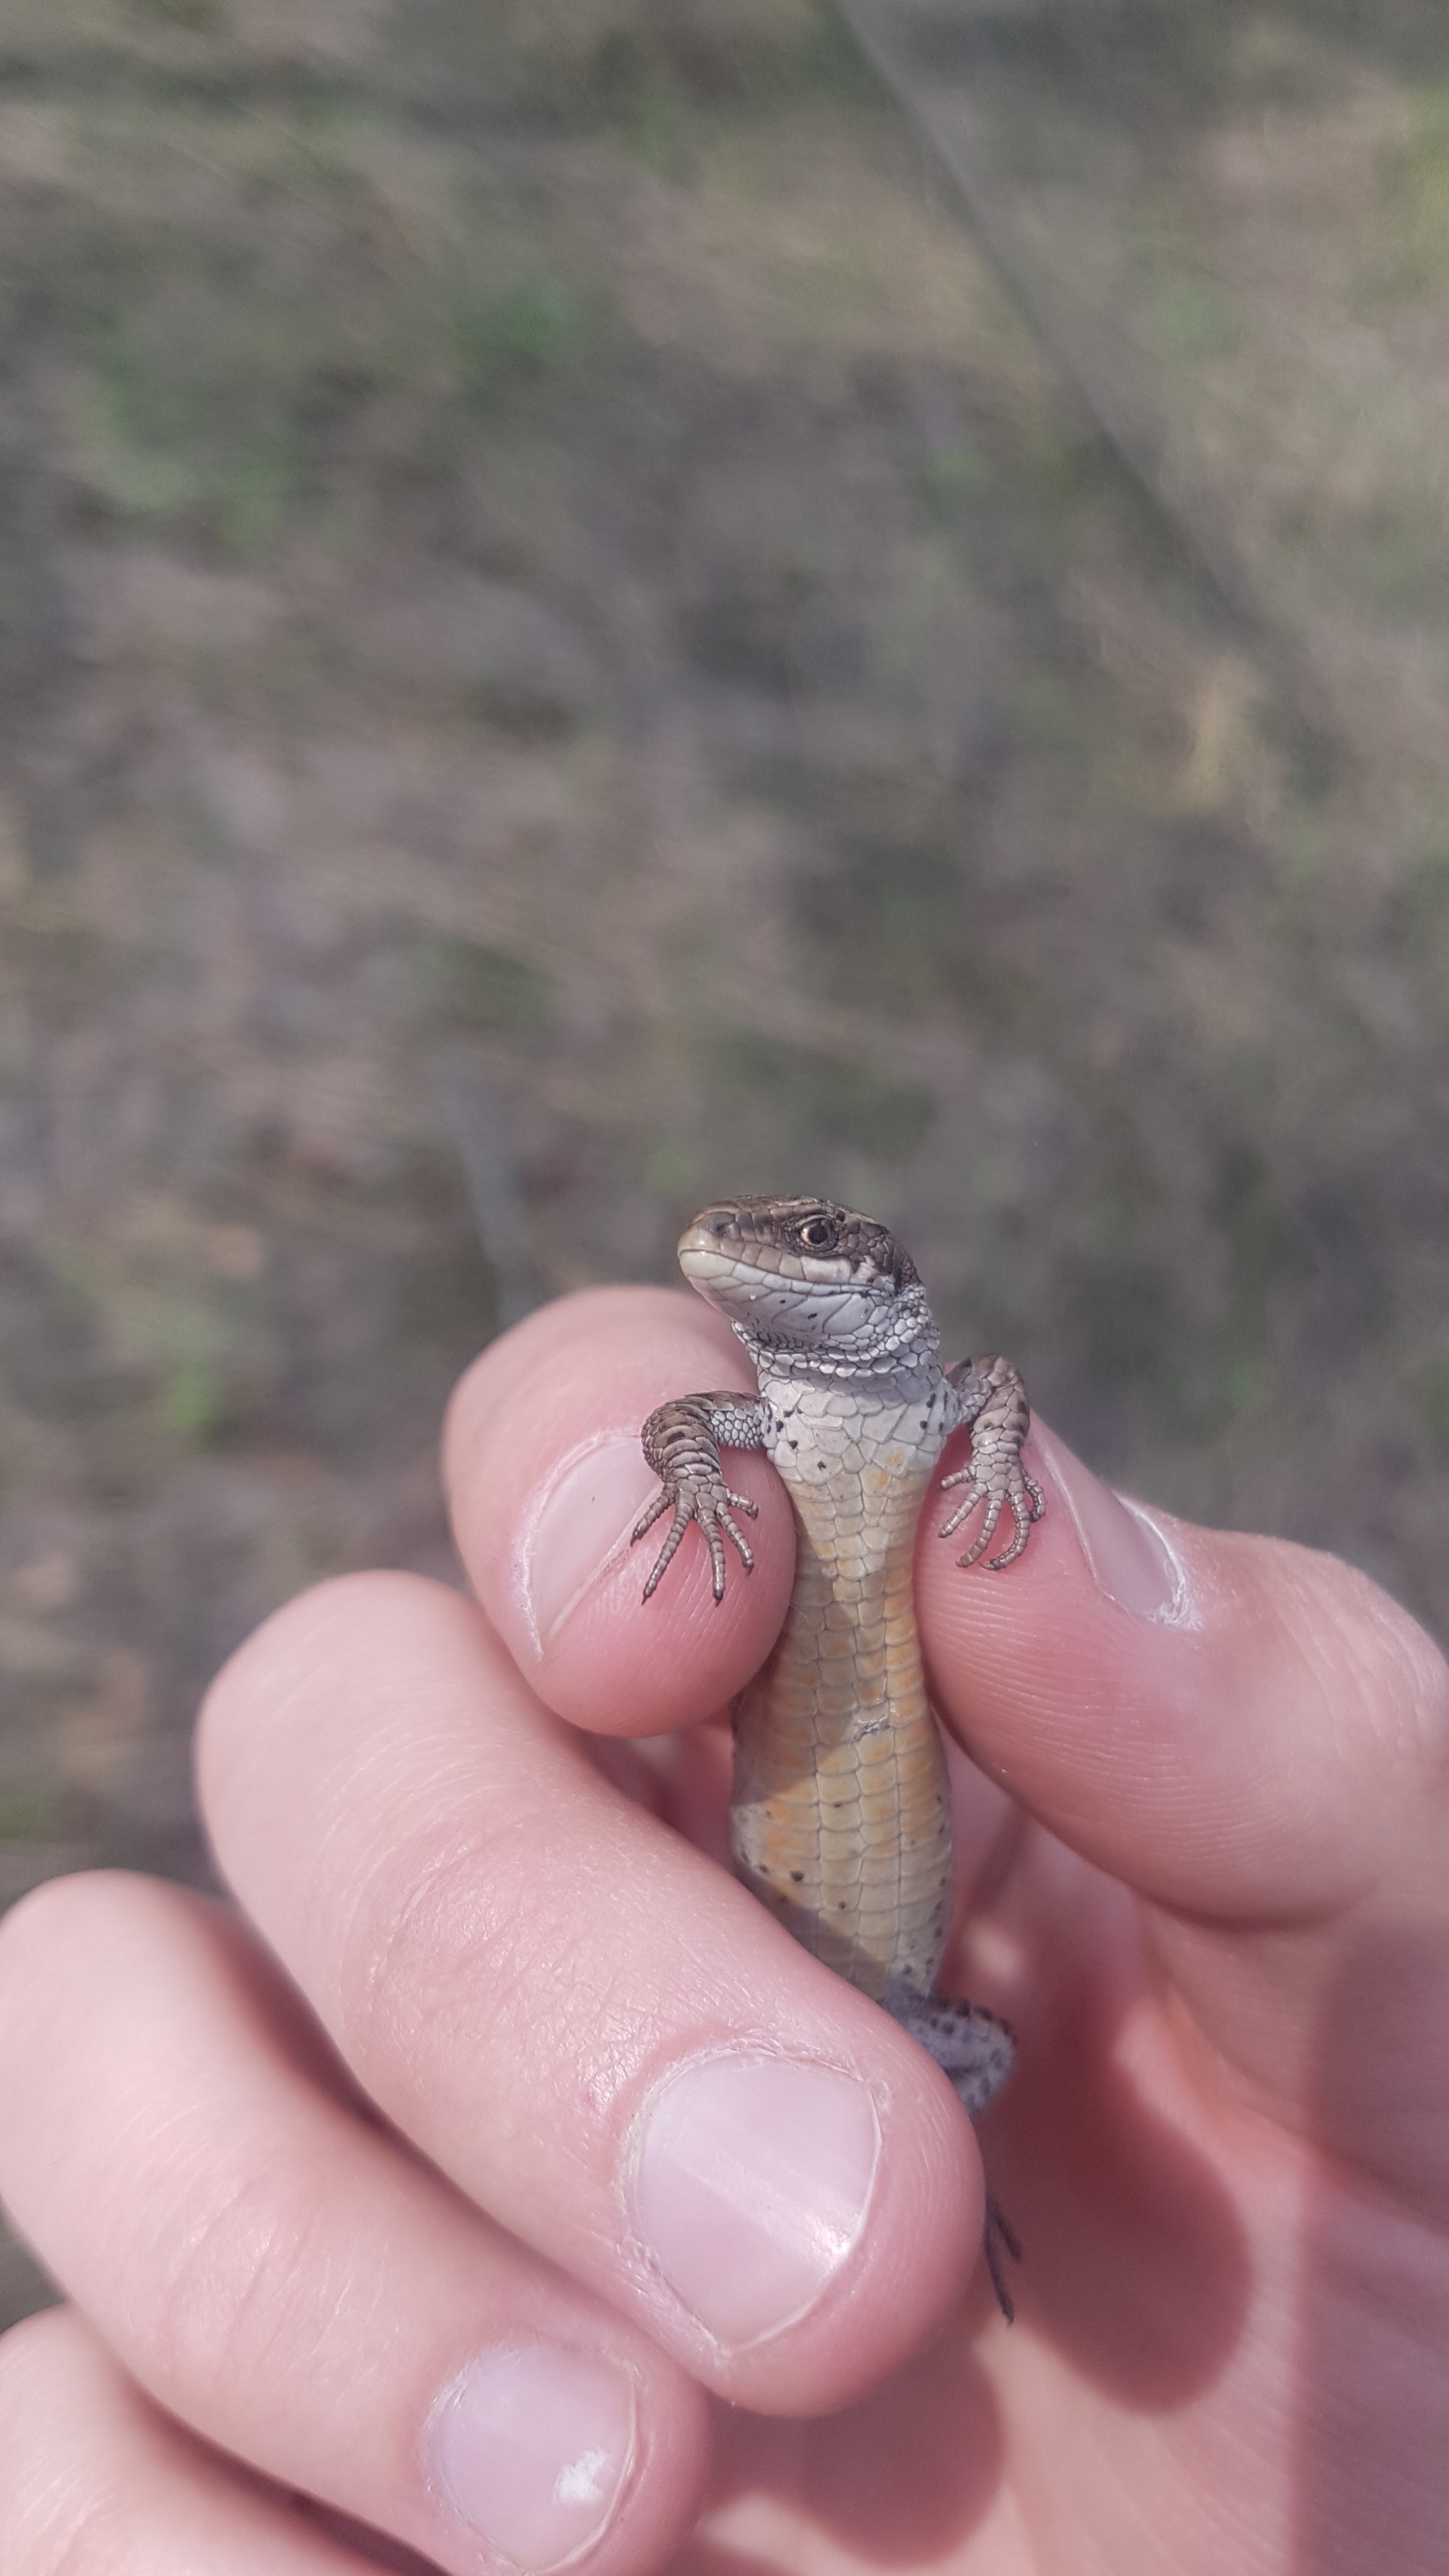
(706, 1260)
(778, 1305)
(715, 1261)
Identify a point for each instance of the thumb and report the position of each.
(1251, 1736)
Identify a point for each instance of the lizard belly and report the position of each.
(841, 1820)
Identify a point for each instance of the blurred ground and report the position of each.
(570, 642)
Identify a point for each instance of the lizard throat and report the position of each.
(901, 1337)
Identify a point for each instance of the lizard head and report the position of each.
(806, 1276)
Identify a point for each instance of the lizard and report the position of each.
(840, 1817)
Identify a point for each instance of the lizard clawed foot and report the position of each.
(682, 1441)
(712, 1504)
(1005, 1486)
(993, 1401)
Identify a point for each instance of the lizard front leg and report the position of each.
(993, 1403)
(682, 1442)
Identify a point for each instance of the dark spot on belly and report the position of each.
(798, 1876)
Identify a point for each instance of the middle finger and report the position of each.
(590, 2028)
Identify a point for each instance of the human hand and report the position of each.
(572, 2133)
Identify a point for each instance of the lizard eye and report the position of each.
(818, 1234)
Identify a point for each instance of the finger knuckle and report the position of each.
(442, 1925)
(472, 1944)
(225, 2288)
(54, 2520)
(75, 2531)
(1367, 1654)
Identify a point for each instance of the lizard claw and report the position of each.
(1006, 1486)
(1012, 1491)
(712, 1504)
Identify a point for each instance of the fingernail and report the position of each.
(751, 2186)
(532, 2447)
(581, 1527)
(1129, 1557)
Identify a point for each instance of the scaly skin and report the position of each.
(841, 1821)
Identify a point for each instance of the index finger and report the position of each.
(546, 1480)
